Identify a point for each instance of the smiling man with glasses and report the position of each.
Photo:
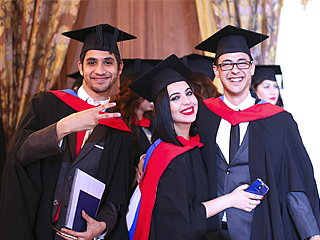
(245, 139)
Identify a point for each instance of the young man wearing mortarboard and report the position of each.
(64, 130)
(246, 139)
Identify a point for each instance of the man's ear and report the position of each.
(253, 68)
(215, 70)
(80, 67)
(120, 68)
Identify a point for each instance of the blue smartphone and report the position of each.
(258, 187)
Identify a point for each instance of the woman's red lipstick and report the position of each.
(188, 111)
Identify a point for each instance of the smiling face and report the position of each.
(269, 91)
(235, 82)
(100, 71)
(183, 106)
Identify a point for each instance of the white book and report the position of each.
(86, 194)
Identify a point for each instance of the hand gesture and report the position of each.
(94, 228)
(84, 120)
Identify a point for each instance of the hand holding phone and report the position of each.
(58, 229)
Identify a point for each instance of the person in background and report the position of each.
(174, 194)
(247, 139)
(202, 76)
(61, 131)
(78, 80)
(264, 84)
(136, 112)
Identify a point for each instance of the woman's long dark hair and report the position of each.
(163, 126)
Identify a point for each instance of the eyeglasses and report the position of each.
(227, 66)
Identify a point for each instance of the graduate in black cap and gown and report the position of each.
(174, 200)
(265, 85)
(247, 139)
(63, 130)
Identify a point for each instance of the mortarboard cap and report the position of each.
(75, 75)
(132, 66)
(266, 72)
(166, 72)
(231, 39)
(102, 37)
(199, 64)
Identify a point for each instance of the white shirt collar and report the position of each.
(82, 94)
(246, 103)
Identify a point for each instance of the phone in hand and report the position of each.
(58, 229)
(258, 187)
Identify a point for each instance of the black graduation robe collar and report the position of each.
(72, 100)
(260, 110)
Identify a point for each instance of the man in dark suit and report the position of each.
(64, 130)
(245, 139)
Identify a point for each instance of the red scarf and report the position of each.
(144, 122)
(257, 111)
(158, 162)
(80, 105)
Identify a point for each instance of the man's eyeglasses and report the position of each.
(227, 66)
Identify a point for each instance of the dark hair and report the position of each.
(163, 127)
(116, 55)
(254, 87)
(127, 103)
(202, 86)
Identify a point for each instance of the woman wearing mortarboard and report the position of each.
(264, 84)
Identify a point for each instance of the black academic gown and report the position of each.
(178, 212)
(26, 188)
(277, 155)
(141, 143)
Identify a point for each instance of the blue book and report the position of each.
(90, 205)
(86, 194)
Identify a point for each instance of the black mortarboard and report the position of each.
(166, 72)
(137, 65)
(266, 72)
(102, 37)
(75, 75)
(78, 77)
(231, 39)
(199, 64)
